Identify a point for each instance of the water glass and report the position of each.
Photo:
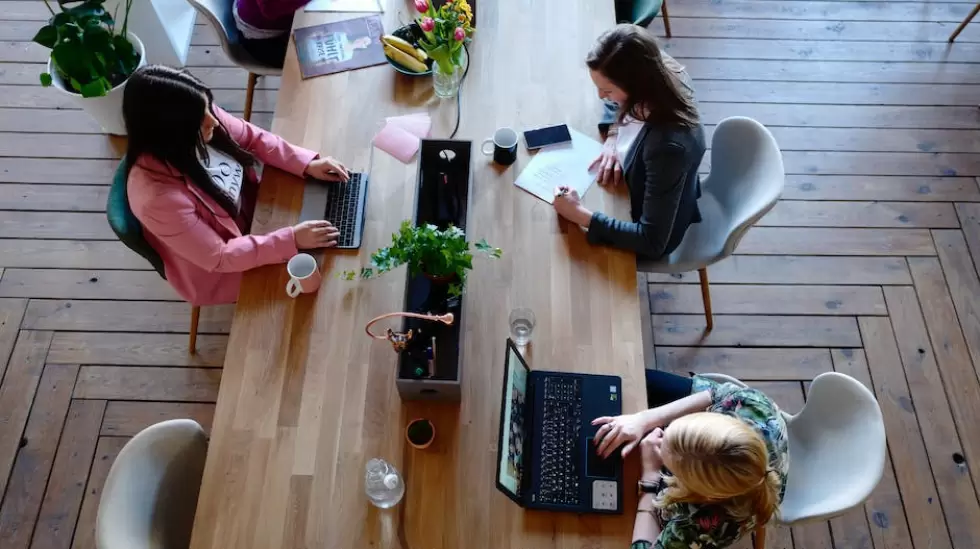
(521, 325)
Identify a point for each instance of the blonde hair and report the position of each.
(719, 459)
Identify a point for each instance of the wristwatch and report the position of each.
(647, 487)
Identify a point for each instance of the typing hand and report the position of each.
(615, 431)
(610, 172)
(310, 235)
(327, 169)
(650, 452)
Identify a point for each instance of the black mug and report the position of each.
(504, 143)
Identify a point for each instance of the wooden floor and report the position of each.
(868, 266)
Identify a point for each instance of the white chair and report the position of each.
(150, 495)
(836, 451)
(745, 182)
(219, 15)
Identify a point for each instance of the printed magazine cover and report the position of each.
(340, 46)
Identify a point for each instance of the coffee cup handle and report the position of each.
(292, 288)
(483, 147)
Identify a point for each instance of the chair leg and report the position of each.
(249, 92)
(760, 537)
(706, 298)
(195, 317)
(663, 10)
(966, 21)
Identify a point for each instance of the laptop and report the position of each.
(546, 457)
(341, 203)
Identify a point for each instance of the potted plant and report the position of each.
(443, 256)
(420, 433)
(90, 58)
(445, 31)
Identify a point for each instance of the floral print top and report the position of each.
(693, 526)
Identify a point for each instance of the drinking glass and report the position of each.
(521, 325)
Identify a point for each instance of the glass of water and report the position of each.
(521, 325)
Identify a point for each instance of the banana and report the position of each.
(406, 47)
(404, 59)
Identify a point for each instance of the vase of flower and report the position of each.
(445, 31)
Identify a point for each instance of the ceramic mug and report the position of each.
(504, 149)
(304, 275)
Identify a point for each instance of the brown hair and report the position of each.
(630, 57)
(719, 459)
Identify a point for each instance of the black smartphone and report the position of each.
(535, 139)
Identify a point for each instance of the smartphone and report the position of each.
(535, 139)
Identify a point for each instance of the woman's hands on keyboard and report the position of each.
(327, 169)
(310, 235)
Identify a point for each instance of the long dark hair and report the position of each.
(629, 56)
(164, 108)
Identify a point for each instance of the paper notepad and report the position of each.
(344, 5)
(401, 135)
(565, 164)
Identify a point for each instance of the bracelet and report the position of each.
(651, 512)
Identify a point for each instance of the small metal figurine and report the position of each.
(399, 340)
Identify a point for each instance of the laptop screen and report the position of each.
(510, 446)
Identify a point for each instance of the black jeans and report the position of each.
(665, 387)
(268, 51)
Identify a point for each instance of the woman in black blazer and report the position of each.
(655, 143)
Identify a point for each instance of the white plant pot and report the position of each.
(106, 110)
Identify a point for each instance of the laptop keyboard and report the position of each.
(342, 208)
(561, 430)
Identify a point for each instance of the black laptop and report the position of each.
(341, 203)
(546, 458)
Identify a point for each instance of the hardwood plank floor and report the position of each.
(869, 265)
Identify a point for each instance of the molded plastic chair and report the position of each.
(130, 232)
(965, 22)
(839, 434)
(745, 182)
(642, 12)
(220, 16)
(150, 495)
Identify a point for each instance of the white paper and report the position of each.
(566, 164)
(360, 6)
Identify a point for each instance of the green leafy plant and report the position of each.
(86, 51)
(439, 254)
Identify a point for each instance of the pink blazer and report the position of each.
(204, 253)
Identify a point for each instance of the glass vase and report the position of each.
(445, 81)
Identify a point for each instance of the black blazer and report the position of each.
(661, 171)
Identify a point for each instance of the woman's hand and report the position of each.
(327, 169)
(310, 235)
(568, 204)
(650, 458)
(615, 431)
(610, 171)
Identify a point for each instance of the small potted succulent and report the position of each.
(91, 58)
(441, 255)
(420, 433)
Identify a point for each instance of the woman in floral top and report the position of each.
(714, 458)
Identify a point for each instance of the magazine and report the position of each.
(339, 46)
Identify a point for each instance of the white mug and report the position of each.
(304, 275)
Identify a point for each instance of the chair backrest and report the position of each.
(644, 11)
(220, 15)
(836, 450)
(124, 223)
(747, 175)
(150, 495)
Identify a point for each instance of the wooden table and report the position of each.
(307, 398)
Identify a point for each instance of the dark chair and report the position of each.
(130, 232)
(642, 12)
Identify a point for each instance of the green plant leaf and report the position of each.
(95, 88)
(47, 36)
(45, 79)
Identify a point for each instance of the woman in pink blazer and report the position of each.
(193, 185)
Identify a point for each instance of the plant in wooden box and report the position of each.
(445, 30)
(441, 255)
(91, 58)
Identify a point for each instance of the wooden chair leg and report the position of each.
(706, 298)
(249, 92)
(195, 317)
(966, 21)
(760, 537)
(663, 10)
